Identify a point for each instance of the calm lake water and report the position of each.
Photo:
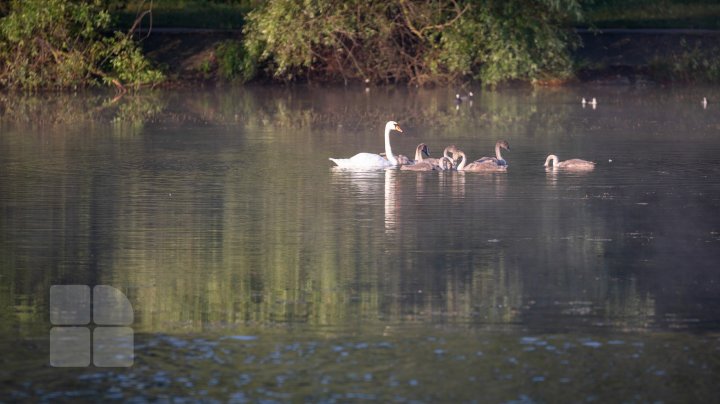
(257, 272)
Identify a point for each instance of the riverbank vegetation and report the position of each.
(60, 44)
(417, 42)
(692, 63)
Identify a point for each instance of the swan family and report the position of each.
(369, 161)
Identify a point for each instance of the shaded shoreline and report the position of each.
(606, 56)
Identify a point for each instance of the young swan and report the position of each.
(446, 163)
(450, 150)
(427, 165)
(486, 164)
(572, 164)
(498, 160)
(404, 160)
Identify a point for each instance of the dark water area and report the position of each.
(258, 272)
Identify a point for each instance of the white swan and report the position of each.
(371, 160)
(572, 164)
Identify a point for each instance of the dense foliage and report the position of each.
(697, 62)
(420, 42)
(59, 44)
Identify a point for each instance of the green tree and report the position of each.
(59, 44)
(420, 42)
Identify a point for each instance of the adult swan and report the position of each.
(371, 160)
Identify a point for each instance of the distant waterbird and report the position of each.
(704, 102)
(592, 102)
(459, 99)
(464, 97)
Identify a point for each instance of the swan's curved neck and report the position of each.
(461, 166)
(552, 158)
(419, 154)
(497, 152)
(388, 150)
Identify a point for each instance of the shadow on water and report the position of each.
(249, 259)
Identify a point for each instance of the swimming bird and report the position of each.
(460, 98)
(402, 159)
(446, 163)
(419, 166)
(419, 151)
(372, 160)
(479, 165)
(498, 160)
(572, 164)
(450, 150)
(592, 102)
(422, 164)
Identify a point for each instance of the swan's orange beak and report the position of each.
(397, 128)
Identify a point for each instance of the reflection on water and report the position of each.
(391, 201)
(218, 214)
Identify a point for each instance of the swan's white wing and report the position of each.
(363, 160)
